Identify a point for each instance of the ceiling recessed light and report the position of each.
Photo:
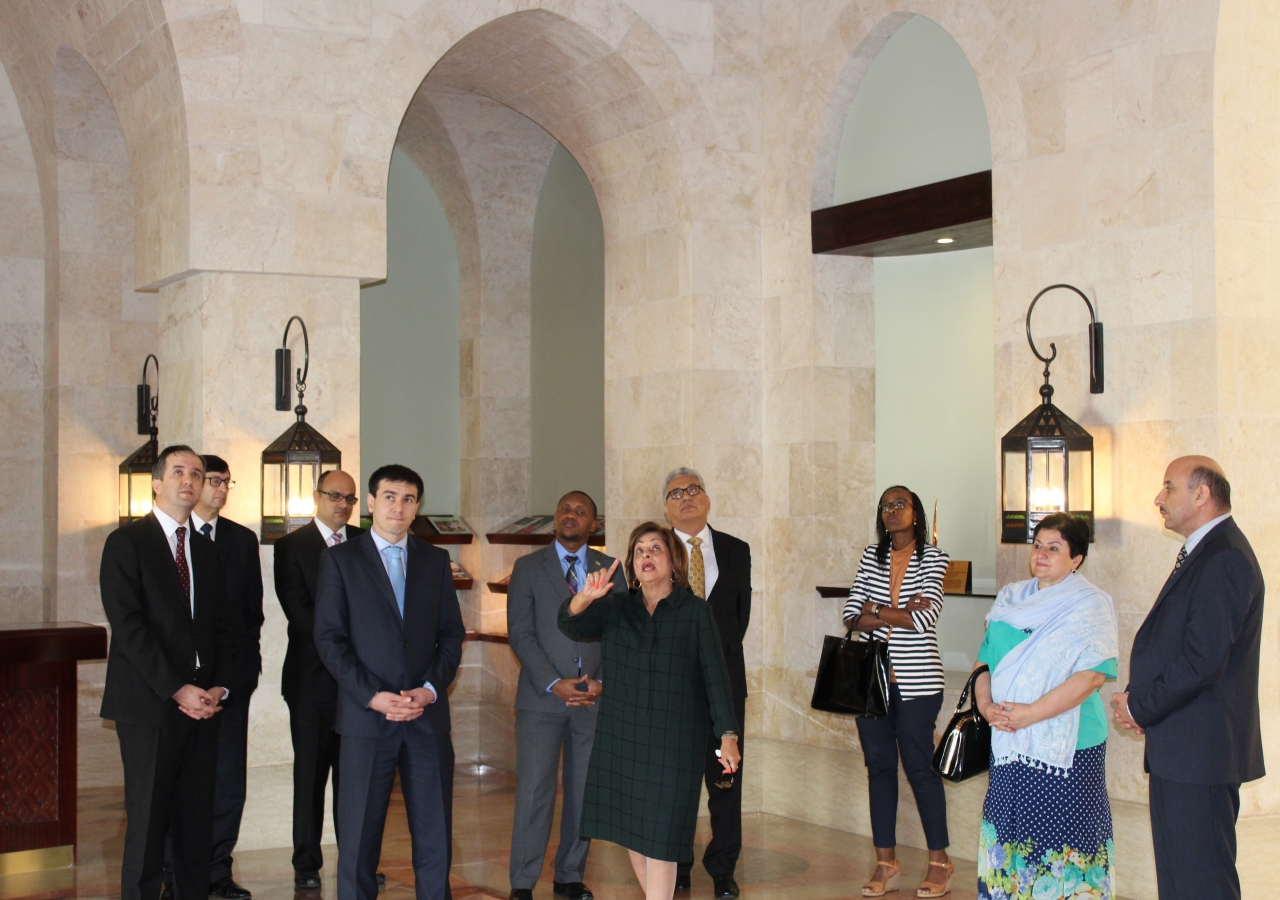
(946, 240)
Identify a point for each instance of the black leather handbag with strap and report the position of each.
(853, 677)
(965, 748)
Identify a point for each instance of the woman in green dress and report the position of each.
(665, 681)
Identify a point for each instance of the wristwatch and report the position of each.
(732, 734)
(875, 609)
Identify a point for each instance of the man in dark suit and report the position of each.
(164, 593)
(720, 571)
(307, 686)
(1193, 686)
(239, 548)
(555, 701)
(389, 630)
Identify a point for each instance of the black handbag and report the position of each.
(965, 748)
(853, 677)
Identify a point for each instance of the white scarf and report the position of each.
(1073, 627)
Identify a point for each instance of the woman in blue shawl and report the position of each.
(1051, 642)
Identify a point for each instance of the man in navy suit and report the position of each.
(1193, 688)
(389, 630)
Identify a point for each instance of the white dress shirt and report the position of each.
(710, 570)
(382, 544)
(327, 533)
(1197, 536)
(198, 524)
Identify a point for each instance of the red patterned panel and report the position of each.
(28, 755)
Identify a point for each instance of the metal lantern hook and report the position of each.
(148, 403)
(1096, 379)
(284, 363)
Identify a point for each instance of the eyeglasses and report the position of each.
(218, 481)
(894, 506)
(338, 497)
(692, 490)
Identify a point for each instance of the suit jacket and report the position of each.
(155, 639)
(1194, 668)
(239, 548)
(730, 600)
(368, 648)
(535, 593)
(304, 678)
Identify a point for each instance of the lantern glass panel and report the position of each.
(302, 476)
(1080, 480)
(1047, 481)
(139, 494)
(272, 489)
(1015, 480)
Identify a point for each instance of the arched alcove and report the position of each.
(918, 118)
(23, 371)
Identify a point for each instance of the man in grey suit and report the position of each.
(555, 702)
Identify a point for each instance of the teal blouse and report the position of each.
(1002, 637)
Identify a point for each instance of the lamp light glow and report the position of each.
(946, 240)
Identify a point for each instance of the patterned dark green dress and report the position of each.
(665, 680)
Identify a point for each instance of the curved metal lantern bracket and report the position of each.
(148, 403)
(1096, 380)
(284, 362)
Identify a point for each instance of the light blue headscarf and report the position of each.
(1073, 627)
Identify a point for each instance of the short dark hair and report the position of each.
(162, 461)
(595, 511)
(323, 475)
(1074, 531)
(675, 547)
(395, 472)
(215, 464)
(1219, 487)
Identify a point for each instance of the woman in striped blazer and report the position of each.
(897, 597)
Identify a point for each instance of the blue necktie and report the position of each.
(571, 573)
(395, 569)
(207, 530)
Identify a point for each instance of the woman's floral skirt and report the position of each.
(1045, 836)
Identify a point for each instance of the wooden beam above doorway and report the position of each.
(906, 223)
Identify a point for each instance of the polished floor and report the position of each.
(780, 857)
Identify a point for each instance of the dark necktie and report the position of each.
(1182, 557)
(336, 538)
(184, 570)
(571, 574)
(207, 530)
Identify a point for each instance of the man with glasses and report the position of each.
(719, 572)
(238, 547)
(308, 688)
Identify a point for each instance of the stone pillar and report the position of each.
(218, 335)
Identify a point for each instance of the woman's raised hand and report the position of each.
(598, 583)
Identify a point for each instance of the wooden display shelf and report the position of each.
(485, 637)
(835, 591)
(423, 528)
(499, 587)
(537, 540)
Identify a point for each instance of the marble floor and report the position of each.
(780, 857)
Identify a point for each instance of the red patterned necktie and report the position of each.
(184, 570)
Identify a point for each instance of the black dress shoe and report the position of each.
(166, 889)
(572, 890)
(307, 881)
(228, 890)
(726, 888)
(520, 894)
(382, 879)
(684, 883)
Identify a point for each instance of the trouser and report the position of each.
(228, 792)
(315, 753)
(1193, 828)
(906, 730)
(725, 806)
(369, 765)
(169, 775)
(540, 739)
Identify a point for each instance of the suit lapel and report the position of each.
(378, 572)
(723, 555)
(160, 545)
(552, 569)
(1176, 575)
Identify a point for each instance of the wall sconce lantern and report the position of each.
(1047, 459)
(293, 463)
(135, 471)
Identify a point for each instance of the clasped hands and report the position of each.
(404, 706)
(199, 703)
(1120, 709)
(1009, 716)
(567, 690)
